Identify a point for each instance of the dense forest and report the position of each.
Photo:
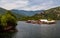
(7, 21)
(53, 13)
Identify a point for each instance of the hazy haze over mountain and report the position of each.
(27, 13)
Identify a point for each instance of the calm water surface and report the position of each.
(26, 30)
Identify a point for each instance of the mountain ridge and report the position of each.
(27, 13)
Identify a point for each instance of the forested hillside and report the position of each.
(53, 13)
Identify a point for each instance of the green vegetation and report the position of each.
(7, 19)
(53, 13)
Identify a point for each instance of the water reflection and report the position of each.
(7, 34)
(48, 31)
(57, 30)
(26, 30)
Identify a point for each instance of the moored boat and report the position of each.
(45, 21)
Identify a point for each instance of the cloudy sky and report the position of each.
(29, 4)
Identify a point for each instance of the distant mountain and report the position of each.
(2, 10)
(20, 13)
(52, 13)
(26, 13)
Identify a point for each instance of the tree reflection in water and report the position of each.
(7, 34)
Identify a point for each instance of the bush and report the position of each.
(8, 19)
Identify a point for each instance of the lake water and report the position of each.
(27, 30)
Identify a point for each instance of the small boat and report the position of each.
(45, 21)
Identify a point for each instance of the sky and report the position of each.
(29, 4)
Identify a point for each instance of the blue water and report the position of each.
(28, 30)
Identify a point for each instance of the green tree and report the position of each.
(8, 19)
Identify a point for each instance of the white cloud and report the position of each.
(45, 5)
(13, 4)
(25, 4)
